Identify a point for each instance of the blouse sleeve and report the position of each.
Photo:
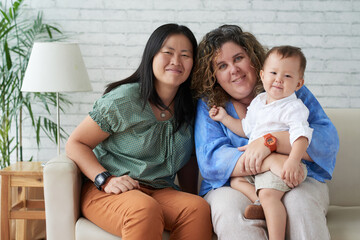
(216, 148)
(106, 113)
(325, 141)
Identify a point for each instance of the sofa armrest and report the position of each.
(62, 186)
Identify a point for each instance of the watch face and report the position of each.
(270, 141)
(101, 179)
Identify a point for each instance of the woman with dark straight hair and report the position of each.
(144, 75)
(136, 139)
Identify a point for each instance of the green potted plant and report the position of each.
(17, 35)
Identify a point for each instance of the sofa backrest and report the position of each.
(344, 188)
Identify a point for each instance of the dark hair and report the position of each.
(287, 51)
(204, 81)
(144, 75)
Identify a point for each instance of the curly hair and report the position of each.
(204, 82)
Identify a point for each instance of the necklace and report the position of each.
(162, 114)
(163, 111)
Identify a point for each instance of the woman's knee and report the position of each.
(146, 210)
(227, 208)
(124, 214)
(314, 198)
(194, 219)
(306, 207)
(144, 218)
(226, 201)
(198, 206)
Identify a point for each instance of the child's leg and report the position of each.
(275, 212)
(274, 162)
(253, 211)
(242, 185)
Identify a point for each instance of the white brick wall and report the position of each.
(112, 34)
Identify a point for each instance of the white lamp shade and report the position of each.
(56, 67)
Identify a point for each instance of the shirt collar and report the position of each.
(289, 98)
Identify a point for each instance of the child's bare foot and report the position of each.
(254, 211)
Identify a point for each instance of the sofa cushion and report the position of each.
(343, 222)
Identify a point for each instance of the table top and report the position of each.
(23, 169)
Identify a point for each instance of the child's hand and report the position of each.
(213, 112)
(217, 113)
(292, 173)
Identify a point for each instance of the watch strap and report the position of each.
(106, 182)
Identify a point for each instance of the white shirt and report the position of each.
(287, 114)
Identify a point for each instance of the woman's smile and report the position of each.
(174, 70)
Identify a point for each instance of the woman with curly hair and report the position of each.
(227, 74)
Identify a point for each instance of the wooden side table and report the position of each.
(21, 175)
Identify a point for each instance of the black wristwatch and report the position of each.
(100, 179)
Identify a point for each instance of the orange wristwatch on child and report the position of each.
(270, 142)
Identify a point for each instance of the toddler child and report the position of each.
(277, 109)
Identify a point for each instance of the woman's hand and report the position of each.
(254, 155)
(117, 185)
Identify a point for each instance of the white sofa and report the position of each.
(62, 183)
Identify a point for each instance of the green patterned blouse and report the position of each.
(139, 145)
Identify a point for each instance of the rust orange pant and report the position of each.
(145, 213)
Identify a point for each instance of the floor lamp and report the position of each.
(56, 67)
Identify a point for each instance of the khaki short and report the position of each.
(270, 180)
